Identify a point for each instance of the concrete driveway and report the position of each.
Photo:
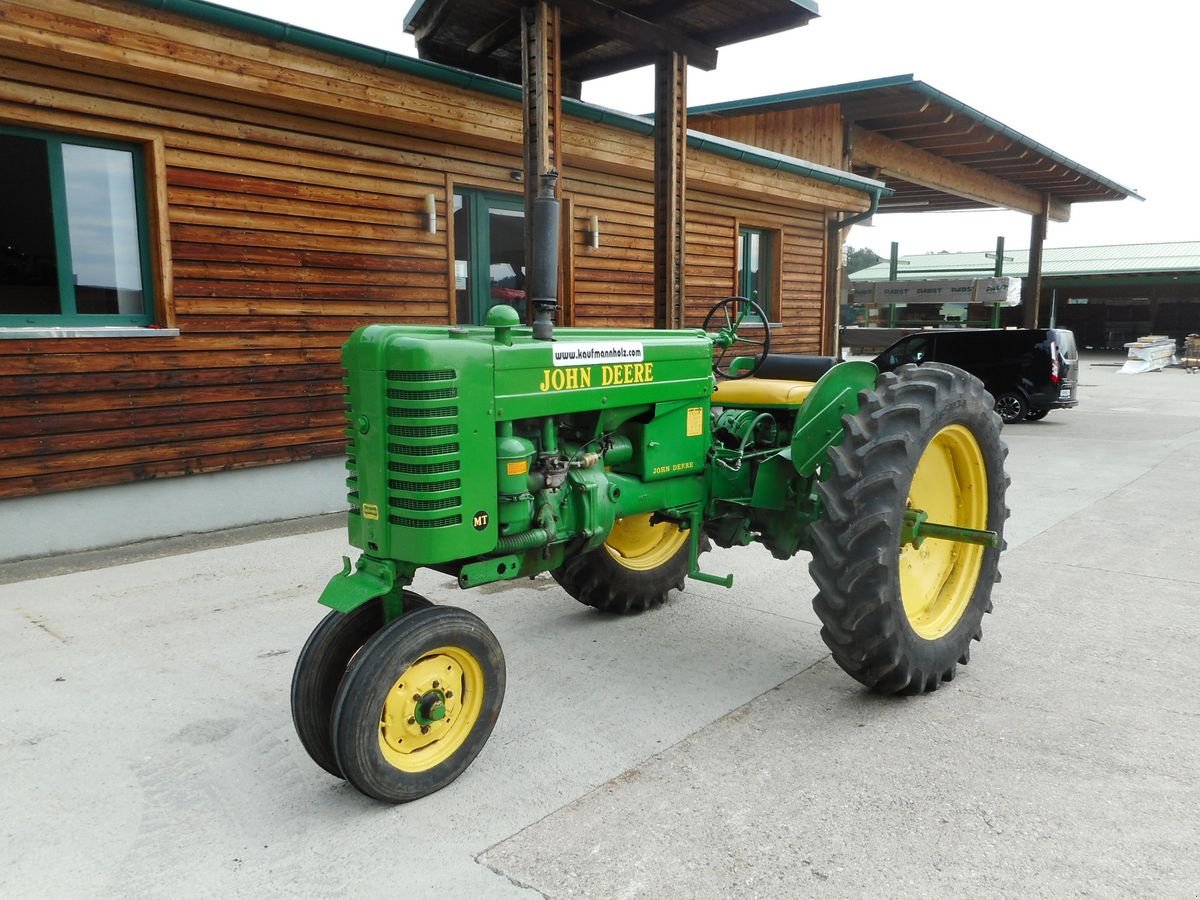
(707, 749)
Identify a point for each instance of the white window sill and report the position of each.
(84, 331)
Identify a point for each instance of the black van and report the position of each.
(1028, 371)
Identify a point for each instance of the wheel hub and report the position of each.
(938, 577)
(424, 718)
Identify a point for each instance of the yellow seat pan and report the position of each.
(761, 392)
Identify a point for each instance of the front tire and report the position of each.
(633, 571)
(897, 618)
(322, 663)
(418, 703)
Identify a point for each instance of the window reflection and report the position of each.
(102, 224)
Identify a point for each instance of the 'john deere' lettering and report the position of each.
(581, 377)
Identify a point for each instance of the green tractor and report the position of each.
(612, 459)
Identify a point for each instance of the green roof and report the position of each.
(1111, 259)
(272, 29)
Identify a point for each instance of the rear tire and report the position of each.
(900, 619)
(1036, 415)
(635, 569)
(1012, 407)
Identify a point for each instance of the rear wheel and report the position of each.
(322, 663)
(1012, 407)
(639, 563)
(1036, 415)
(897, 617)
(418, 703)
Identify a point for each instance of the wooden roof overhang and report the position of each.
(598, 38)
(936, 153)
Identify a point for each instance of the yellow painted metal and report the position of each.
(761, 392)
(938, 578)
(454, 674)
(637, 544)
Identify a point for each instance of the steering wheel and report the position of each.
(734, 312)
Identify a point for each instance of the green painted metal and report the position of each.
(819, 424)
(917, 529)
(369, 579)
(487, 454)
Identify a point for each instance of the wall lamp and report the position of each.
(593, 233)
(431, 213)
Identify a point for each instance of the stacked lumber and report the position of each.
(1150, 353)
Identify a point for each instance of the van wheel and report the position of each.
(899, 617)
(1012, 407)
(1036, 415)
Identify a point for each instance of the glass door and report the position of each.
(489, 250)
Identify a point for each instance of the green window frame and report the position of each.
(69, 301)
(474, 262)
(757, 280)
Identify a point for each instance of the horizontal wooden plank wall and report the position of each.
(295, 187)
(814, 133)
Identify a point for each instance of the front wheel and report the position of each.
(898, 617)
(418, 703)
(322, 663)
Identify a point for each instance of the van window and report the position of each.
(1066, 343)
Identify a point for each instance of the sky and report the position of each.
(1111, 86)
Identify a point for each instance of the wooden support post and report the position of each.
(541, 72)
(1031, 290)
(670, 154)
(834, 273)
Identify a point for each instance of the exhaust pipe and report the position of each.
(543, 271)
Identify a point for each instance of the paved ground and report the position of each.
(709, 749)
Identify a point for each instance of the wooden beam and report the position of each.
(541, 44)
(910, 164)
(504, 33)
(638, 31)
(670, 149)
(1031, 288)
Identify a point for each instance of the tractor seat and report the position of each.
(784, 380)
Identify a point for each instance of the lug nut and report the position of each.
(424, 729)
(412, 721)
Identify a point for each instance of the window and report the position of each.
(756, 269)
(489, 250)
(74, 242)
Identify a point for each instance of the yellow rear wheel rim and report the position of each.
(636, 544)
(938, 578)
(431, 709)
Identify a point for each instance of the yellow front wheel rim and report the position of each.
(431, 709)
(937, 579)
(637, 544)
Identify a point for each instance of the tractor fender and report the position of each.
(819, 422)
(350, 589)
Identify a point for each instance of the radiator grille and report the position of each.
(423, 431)
(423, 500)
(425, 523)
(431, 375)
(452, 484)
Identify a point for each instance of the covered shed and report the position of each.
(1108, 295)
(934, 152)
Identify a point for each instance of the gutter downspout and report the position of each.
(832, 338)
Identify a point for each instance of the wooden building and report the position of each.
(201, 204)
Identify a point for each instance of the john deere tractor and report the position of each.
(612, 459)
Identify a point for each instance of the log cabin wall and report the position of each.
(814, 133)
(287, 198)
